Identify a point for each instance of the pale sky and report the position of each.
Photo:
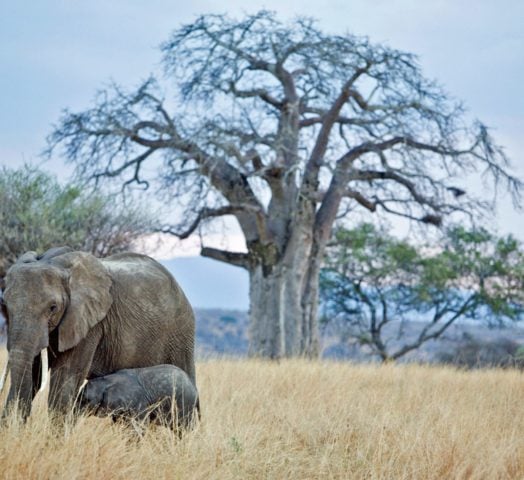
(56, 54)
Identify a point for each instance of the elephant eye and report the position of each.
(53, 308)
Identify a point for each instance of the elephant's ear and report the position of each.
(89, 297)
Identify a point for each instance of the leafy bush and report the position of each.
(37, 212)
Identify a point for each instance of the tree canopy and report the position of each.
(37, 213)
(374, 283)
(284, 128)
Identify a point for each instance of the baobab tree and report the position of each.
(283, 128)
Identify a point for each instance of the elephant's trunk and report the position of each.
(21, 389)
(44, 376)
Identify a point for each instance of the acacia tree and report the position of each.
(392, 296)
(37, 213)
(283, 127)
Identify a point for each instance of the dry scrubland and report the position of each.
(300, 419)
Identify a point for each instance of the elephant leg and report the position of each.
(69, 372)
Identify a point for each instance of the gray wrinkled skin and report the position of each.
(95, 317)
(143, 394)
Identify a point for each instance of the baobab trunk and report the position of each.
(283, 305)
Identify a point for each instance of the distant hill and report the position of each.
(225, 332)
(221, 332)
(334, 345)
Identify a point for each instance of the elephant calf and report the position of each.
(144, 394)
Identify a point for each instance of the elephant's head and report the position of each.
(92, 395)
(60, 291)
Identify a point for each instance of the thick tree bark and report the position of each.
(282, 324)
(283, 301)
(310, 335)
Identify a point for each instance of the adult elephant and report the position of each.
(94, 317)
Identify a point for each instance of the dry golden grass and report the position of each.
(300, 419)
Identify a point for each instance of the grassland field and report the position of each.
(298, 419)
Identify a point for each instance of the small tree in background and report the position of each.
(284, 128)
(37, 213)
(374, 283)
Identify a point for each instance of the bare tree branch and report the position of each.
(232, 258)
(206, 213)
(260, 93)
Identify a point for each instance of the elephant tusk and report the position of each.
(84, 383)
(4, 376)
(45, 374)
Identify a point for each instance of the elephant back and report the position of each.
(151, 318)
